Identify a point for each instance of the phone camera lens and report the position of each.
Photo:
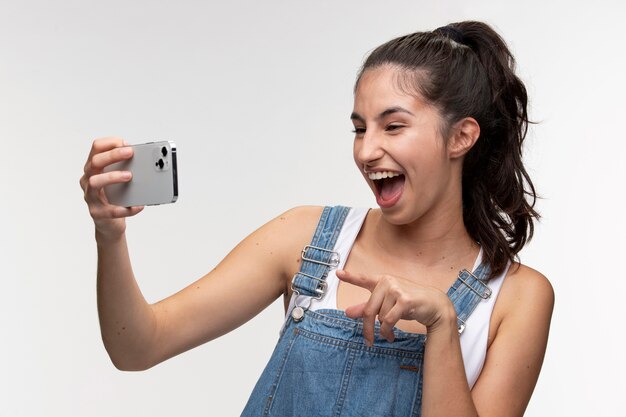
(161, 164)
(164, 151)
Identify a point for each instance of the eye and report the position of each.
(393, 127)
(358, 130)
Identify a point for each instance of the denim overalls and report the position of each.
(321, 366)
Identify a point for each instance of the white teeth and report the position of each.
(382, 174)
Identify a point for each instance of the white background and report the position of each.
(257, 95)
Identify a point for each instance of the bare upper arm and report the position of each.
(515, 356)
(246, 281)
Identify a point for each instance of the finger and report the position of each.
(101, 160)
(370, 311)
(83, 182)
(114, 212)
(96, 182)
(362, 280)
(119, 211)
(95, 195)
(388, 322)
(355, 311)
(104, 144)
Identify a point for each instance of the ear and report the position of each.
(464, 135)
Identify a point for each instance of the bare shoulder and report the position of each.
(291, 225)
(292, 230)
(527, 285)
(303, 215)
(525, 292)
(295, 224)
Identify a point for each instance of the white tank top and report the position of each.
(474, 337)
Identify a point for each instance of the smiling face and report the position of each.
(398, 135)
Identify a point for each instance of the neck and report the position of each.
(432, 240)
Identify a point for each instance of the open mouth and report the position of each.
(389, 187)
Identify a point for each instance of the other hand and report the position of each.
(393, 299)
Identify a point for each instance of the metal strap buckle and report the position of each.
(461, 327)
(334, 260)
(487, 292)
(320, 290)
(297, 313)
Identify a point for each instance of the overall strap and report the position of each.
(469, 289)
(318, 257)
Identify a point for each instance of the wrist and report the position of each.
(105, 238)
(446, 319)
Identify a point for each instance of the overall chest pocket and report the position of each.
(328, 376)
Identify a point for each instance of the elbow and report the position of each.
(130, 365)
(129, 360)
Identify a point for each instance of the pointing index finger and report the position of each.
(361, 280)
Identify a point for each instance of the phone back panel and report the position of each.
(154, 180)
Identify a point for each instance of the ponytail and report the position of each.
(467, 70)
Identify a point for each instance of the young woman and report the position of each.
(379, 321)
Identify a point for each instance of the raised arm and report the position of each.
(138, 335)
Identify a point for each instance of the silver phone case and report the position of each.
(154, 180)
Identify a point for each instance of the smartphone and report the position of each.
(154, 179)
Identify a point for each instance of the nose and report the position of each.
(368, 149)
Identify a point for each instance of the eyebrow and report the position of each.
(382, 115)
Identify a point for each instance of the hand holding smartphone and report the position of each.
(154, 176)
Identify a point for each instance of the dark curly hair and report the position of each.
(466, 70)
